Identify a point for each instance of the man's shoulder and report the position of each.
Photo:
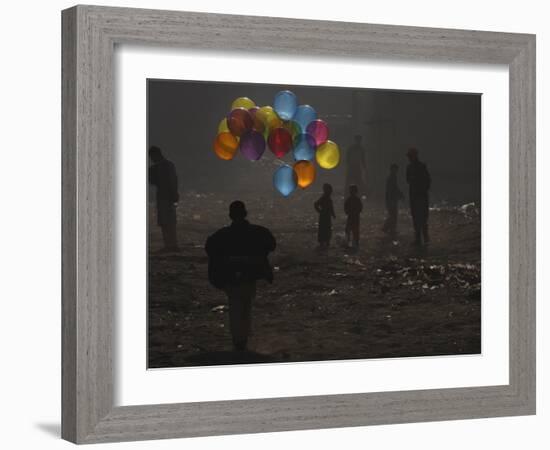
(259, 229)
(220, 233)
(228, 230)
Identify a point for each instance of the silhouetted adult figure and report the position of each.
(162, 174)
(393, 195)
(237, 258)
(356, 165)
(420, 182)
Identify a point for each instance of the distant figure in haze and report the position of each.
(326, 213)
(162, 174)
(237, 258)
(420, 182)
(393, 195)
(356, 166)
(353, 207)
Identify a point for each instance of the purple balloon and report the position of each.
(252, 145)
(319, 130)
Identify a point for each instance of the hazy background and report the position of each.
(183, 117)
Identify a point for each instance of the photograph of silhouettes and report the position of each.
(311, 223)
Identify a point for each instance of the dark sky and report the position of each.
(183, 117)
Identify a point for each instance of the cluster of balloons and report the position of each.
(285, 128)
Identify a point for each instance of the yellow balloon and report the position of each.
(328, 155)
(269, 117)
(242, 102)
(274, 122)
(264, 110)
(222, 127)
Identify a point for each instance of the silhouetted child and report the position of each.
(326, 213)
(353, 207)
(393, 195)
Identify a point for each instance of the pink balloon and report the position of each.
(319, 130)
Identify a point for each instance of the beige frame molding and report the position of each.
(89, 37)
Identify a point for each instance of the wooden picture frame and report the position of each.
(90, 34)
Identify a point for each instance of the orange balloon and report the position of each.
(226, 146)
(305, 172)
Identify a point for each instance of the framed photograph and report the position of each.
(266, 230)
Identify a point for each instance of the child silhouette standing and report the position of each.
(326, 213)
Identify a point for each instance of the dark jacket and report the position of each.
(239, 253)
(418, 178)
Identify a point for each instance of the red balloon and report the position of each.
(280, 141)
(239, 121)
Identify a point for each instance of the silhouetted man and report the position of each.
(356, 164)
(393, 195)
(162, 174)
(237, 258)
(419, 181)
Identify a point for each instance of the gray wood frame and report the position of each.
(89, 36)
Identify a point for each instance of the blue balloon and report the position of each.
(285, 180)
(304, 115)
(285, 104)
(304, 148)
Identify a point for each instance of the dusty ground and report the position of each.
(388, 300)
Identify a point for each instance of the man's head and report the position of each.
(393, 168)
(155, 154)
(353, 190)
(357, 139)
(237, 211)
(412, 154)
(327, 189)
